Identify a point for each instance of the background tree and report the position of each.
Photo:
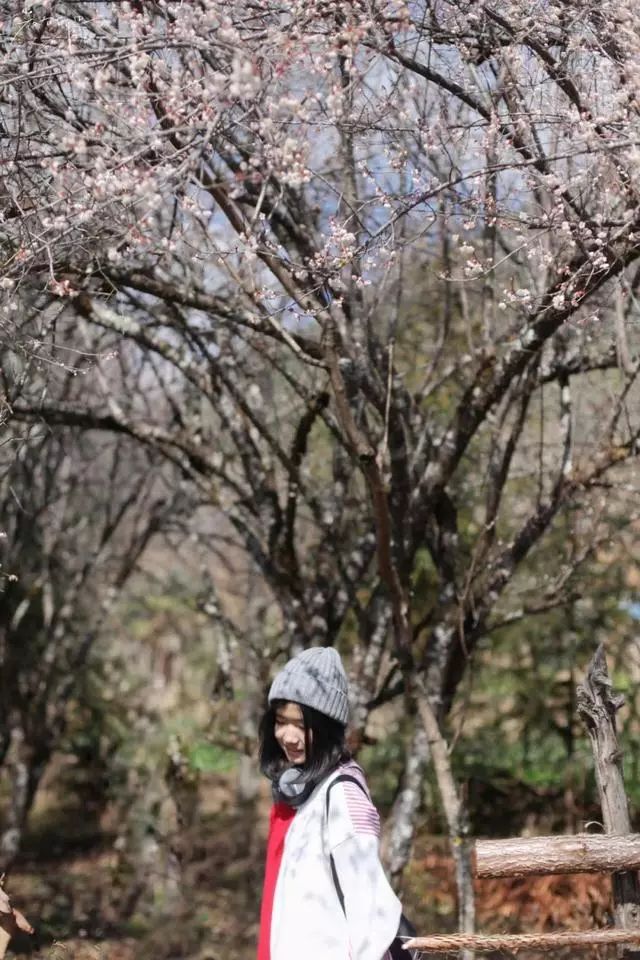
(76, 521)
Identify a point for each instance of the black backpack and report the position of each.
(405, 928)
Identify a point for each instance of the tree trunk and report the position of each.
(362, 684)
(253, 682)
(249, 666)
(17, 766)
(147, 881)
(598, 705)
(183, 786)
(249, 776)
(528, 856)
(454, 812)
(25, 763)
(405, 808)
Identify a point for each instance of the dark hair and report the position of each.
(324, 743)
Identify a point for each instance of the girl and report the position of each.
(325, 895)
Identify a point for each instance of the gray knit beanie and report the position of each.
(315, 678)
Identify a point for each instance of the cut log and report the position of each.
(598, 705)
(582, 853)
(512, 942)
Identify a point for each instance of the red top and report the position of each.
(279, 822)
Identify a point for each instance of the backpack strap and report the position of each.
(334, 873)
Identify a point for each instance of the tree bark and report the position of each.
(147, 880)
(248, 782)
(598, 705)
(25, 762)
(19, 777)
(528, 856)
(405, 807)
(362, 683)
(455, 814)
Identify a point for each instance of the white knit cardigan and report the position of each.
(308, 922)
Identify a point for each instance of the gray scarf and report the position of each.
(293, 787)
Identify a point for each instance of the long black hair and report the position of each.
(324, 740)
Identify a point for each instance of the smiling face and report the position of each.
(290, 732)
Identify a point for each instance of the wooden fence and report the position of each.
(616, 851)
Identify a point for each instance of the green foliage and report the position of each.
(210, 758)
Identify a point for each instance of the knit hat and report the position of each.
(315, 678)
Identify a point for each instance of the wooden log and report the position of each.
(581, 853)
(598, 705)
(445, 943)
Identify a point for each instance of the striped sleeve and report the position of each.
(370, 906)
(363, 814)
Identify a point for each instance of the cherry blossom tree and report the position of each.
(365, 273)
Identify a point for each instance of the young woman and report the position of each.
(325, 895)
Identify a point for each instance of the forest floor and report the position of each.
(64, 883)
